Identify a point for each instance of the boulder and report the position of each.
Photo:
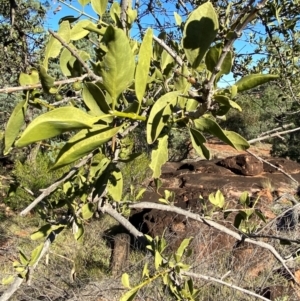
(243, 164)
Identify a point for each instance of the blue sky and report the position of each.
(53, 18)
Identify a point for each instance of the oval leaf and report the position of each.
(54, 123)
(143, 65)
(159, 115)
(199, 32)
(87, 211)
(35, 254)
(159, 156)
(198, 141)
(99, 6)
(29, 79)
(117, 67)
(210, 126)
(254, 80)
(78, 31)
(83, 143)
(14, 124)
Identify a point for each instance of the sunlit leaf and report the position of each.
(199, 32)
(14, 124)
(159, 156)
(54, 123)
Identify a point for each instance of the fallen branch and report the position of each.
(209, 278)
(274, 166)
(197, 217)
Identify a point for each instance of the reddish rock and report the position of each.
(243, 164)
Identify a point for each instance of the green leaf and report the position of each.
(87, 211)
(94, 99)
(145, 273)
(241, 216)
(125, 280)
(83, 143)
(64, 59)
(254, 80)
(117, 67)
(167, 62)
(159, 115)
(158, 260)
(55, 122)
(227, 102)
(184, 244)
(29, 79)
(84, 2)
(35, 254)
(99, 6)
(79, 232)
(234, 91)
(199, 32)
(260, 215)
(115, 185)
(159, 156)
(47, 81)
(178, 19)
(244, 198)
(54, 46)
(130, 295)
(45, 230)
(14, 124)
(8, 280)
(229, 137)
(23, 258)
(198, 141)
(143, 65)
(78, 31)
(217, 200)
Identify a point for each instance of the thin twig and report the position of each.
(209, 278)
(274, 166)
(37, 86)
(172, 53)
(91, 74)
(55, 185)
(273, 135)
(197, 217)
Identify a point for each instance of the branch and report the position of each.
(75, 54)
(18, 280)
(55, 185)
(172, 53)
(36, 86)
(209, 278)
(274, 166)
(274, 135)
(107, 208)
(197, 217)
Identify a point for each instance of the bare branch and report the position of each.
(274, 166)
(172, 53)
(273, 135)
(37, 86)
(55, 185)
(197, 217)
(107, 208)
(209, 278)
